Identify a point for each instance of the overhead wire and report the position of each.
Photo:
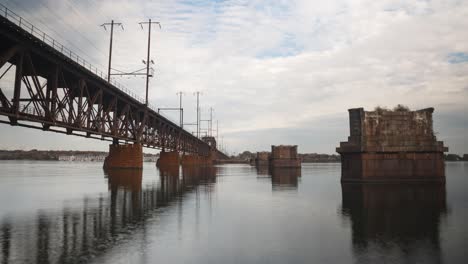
(93, 3)
(83, 35)
(39, 19)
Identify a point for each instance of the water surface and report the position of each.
(60, 212)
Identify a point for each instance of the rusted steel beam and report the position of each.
(4, 100)
(51, 92)
(17, 85)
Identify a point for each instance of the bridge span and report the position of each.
(56, 90)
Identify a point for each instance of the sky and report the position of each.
(275, 72)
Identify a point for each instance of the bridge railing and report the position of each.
(41, 35)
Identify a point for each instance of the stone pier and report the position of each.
(387, 145)
(196, 160)
(168, 158)
(128, 156)
(262, 159)
(284, 157)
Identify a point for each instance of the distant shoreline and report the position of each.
(60, 155)
(321, 161)
(73, 155)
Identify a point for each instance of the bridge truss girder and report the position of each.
(53, 93)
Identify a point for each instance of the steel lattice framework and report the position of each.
(55, 92)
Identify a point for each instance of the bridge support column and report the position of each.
(170, 158)
(392, 146)
(210, 160)
(284, 157)
(262, 159)
(196, 160)
(189, 160)
(128, 156)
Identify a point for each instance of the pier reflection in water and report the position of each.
(76, 235)
(263, 171)
(70, 213)
(285, 178)
(395, 223)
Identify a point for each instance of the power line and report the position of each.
(93, 3)
(70, 26)
(43, 23)
(73, 9)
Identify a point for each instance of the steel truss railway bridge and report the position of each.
(56, 90)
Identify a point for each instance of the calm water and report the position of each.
(59, 212)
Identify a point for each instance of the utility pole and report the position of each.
(181, 115)
(222, 145)
(210, 129)
(112, 23)
(198, 113)
(148, 54)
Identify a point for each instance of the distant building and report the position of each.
(82, 157)
(465, 157)
(98, 157)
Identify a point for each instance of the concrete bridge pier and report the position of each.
(168, 158)
(126, 156)
(196, 160)
(284, 157)
(392, 146)
(262, 159)
(189, 159)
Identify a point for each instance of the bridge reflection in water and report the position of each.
(400, 223)
(76, 235)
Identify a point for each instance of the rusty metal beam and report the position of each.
(17, 85)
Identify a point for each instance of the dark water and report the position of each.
(59, 212)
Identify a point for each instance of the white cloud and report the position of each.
(269, 65)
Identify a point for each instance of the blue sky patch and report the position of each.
(288, 47)
(458, 57)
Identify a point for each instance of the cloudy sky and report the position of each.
(276, 72)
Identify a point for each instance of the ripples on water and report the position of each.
(58, 212)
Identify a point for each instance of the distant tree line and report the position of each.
(315, 157)
(306, 157)
(28, 155)
(246, 155)
(455, 157)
